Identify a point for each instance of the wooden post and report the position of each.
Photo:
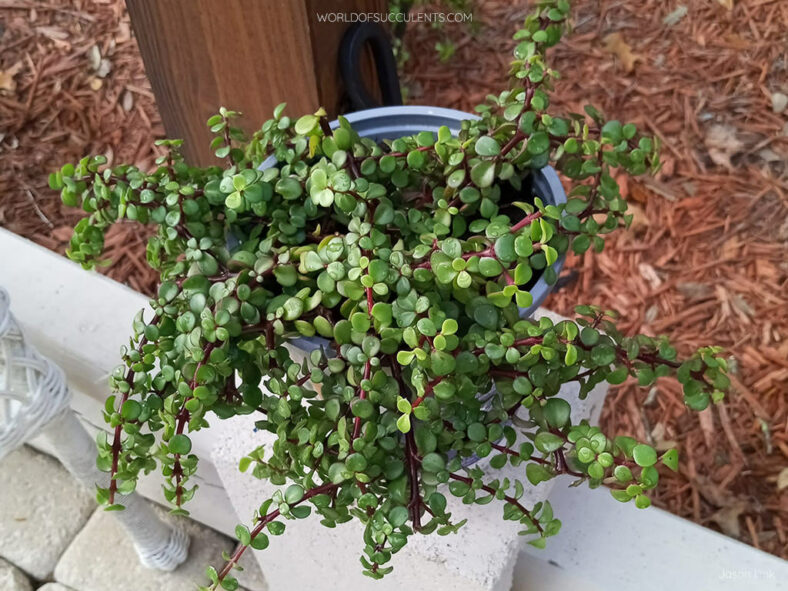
(246, 55)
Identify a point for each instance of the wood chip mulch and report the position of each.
(71, 84)
(706, 260)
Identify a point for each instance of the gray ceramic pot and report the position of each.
(394, 122)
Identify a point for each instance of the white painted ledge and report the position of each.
(81, 319)
(605, 545)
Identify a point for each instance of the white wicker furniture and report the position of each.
(34, 400)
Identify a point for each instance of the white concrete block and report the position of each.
(42, 508)
(12, 579)
(480, 557)
(102, 557)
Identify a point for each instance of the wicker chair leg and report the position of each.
(158, 545)
(35, 399)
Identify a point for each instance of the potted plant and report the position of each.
(414, 258)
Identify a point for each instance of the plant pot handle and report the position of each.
(350, 52)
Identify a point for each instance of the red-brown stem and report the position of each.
(519, 135)
(412, 459)
(183, 420)
(116, 443)
(265, 520)
(370, 301)
(353, 167)
(362, 396)
(516, 139)
(563, 467)
(116, 446)
(367, 367)
(525, 221)
(527, 342)
(508, 499)
(428, 389)
(325, 127)
(413, 462)
(511, 452)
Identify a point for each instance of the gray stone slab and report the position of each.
(54, 587)
(13, 579)
(42, 508)
(102, 557)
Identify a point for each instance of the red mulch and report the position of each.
(71, 84)
(706, 260)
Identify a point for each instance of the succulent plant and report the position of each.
(410, 257)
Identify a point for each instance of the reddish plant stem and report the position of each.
(511, 452)
(370, 301)
(367, 367)
(516, 139)
(509, 499)
(183, 419)
(228, 141)
(325, 127)
(412, 459)
(583, 374)
(427, 391)
(519, 135)
(262, 522)
(525, 221)
(413, 463)
(354, 171)
(116, 443)
(563, 467)
(299, 382)
(362, 396)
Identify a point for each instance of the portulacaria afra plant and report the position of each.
(411, 258)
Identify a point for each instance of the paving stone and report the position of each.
(102, 557)
(42, 508)
(13, 579)
(54, 587)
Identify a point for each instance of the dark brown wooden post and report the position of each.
(247, 55)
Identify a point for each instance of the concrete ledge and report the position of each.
(606, 545)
